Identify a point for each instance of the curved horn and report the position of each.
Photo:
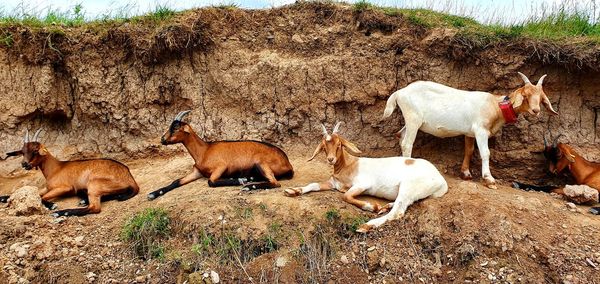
(556, 140)
(525, 79)
(336, 128)
(325, 133)
(26, 137)
(541, 80)
(181, 115)
(35, 136)
(545, 141)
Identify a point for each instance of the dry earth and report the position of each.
(472, 234)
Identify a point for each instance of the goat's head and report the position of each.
(528, 97)
(333, 144)
(558, 155)
(34, 153)
(177, 131)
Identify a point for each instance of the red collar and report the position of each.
(509, 114)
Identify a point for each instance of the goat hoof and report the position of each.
(466, 176)
(151, 196)
(364, 228)
(291, 192)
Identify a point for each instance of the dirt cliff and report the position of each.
(111, 89)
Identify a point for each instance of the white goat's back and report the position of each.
(440, 110)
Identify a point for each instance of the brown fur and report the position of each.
(97, 177)
(223, 159)
(584, 172)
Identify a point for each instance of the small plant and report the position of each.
(332, 215)
(262, 207)
(362, 5)
(6, 39)
(355, 222)
(227, 6)
(162, 12)
(145, 230)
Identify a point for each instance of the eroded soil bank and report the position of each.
(274, 75)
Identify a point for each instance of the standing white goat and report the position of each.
(404, 180)
(446, 112)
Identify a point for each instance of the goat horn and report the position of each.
(325, 133)
(35, 136)
(525, 79)
(336, 128)
(26, 137)
(541, 80)
(556, 140)
(181, 115)
(545, 141)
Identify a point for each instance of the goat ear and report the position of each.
(186, 128)
(570, 157)
(350, 146)
(43, 151)
(518, 100)
(14, 153)
(317, 151)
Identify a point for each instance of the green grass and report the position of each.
(558, 23)
(332, 215)
(145, 230)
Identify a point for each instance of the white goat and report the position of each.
(404, 180)
(446, 112)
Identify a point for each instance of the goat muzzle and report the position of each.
(26, 165)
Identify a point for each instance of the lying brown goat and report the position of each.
(97, 179)
(236, 161)
(561, 156)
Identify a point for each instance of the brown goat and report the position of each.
(94, 180)
(227, 162)
(561, 156)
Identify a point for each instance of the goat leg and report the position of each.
(194, 175)
(231, 181)
(49, 205)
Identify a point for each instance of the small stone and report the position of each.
(371, 248)
(382, 262)
(344, 259)
(571, 205)
(91, 276)
(214, 277)
(140, 279)
(484, 264)
(281, 261)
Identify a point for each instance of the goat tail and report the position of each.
(390, 106)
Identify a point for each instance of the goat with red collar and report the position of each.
(447, 112)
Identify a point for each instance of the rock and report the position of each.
(91, 276)
(344, 259)
(371, 248)
(140, 279)
(78, 241)
(214, 276)
(281, 261)
(571, 205)
(297, 38)
(26, 201)
(581, 194)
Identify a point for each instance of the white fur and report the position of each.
(392, 179)
(446, 112)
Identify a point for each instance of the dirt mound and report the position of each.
(25, 201)
(471, 234)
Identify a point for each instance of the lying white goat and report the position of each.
(446, 112)
(404, 180)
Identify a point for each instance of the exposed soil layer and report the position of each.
(274, 75)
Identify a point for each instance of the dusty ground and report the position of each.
(472, 234)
